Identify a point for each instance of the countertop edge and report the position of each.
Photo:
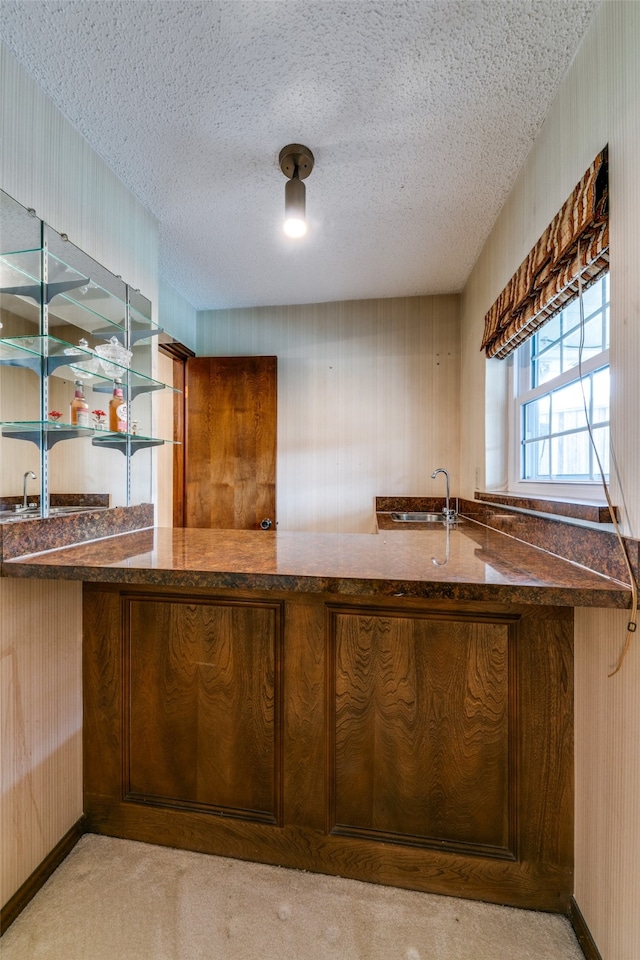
(340, 586)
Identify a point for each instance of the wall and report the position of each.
(46, 164)
(598, 103)
(41, 697)
(607, 888)
(368, 400)
(176, 315)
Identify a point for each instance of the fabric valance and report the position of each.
(575, 242)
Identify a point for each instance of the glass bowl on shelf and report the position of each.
(113, 356)
(87, 368)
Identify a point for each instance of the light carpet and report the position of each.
(119, 900)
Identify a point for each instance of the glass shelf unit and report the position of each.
(57, 307)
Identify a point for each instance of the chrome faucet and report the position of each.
(448, 514)
(28, 473)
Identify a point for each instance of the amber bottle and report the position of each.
(117, 409)
(79, 408)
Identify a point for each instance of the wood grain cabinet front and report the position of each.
(422, 744)
(421, 721)
(202, 706)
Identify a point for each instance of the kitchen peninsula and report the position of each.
(395, 708)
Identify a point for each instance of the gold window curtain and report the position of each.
(575, 242)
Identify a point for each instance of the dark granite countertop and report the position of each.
(469, 562)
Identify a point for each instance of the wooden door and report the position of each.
(179, 369)
(179, 354)
(230, 442)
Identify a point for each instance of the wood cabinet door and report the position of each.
(230, 442)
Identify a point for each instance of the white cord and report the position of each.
(632, 625)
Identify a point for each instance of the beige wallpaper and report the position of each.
(597, 104)
(41, 739)
(73, 190)
(607, 888)
(47, 165)
(368, 401)
(176, 315)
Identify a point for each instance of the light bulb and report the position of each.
(294, 227)
(295, 224)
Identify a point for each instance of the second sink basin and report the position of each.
(422, 517)
(57, 511)
(417, 517)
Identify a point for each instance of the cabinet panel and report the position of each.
(419, 732)
(202, 705)
(422, 744)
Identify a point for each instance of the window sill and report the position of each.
(573, 509)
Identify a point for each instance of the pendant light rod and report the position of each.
(296, 162)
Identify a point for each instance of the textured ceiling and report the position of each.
(420, 115)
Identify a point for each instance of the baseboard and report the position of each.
(582, 932)
(41, 874)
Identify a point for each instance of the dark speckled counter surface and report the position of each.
(469, 562)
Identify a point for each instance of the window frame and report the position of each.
(520, 374)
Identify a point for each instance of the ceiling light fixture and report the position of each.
(296, 162)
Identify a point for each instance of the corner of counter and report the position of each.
(39, 535)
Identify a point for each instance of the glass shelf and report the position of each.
(142, 327)
(85, 304)
(140, 331)
(79, 300)
(72, 296)
(20, 268)
(48, 355)
(58, 356)
(127, 441)
(53, 432)
(21, 352)
(21, 279)
(47, 430)
(139, 383)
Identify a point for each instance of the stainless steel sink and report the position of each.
(417, 517)
(19, 514)
(58, 511)
(11, 516)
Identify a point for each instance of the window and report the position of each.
(553, 444)
(561, 366)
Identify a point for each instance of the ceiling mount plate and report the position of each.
(295, 155)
